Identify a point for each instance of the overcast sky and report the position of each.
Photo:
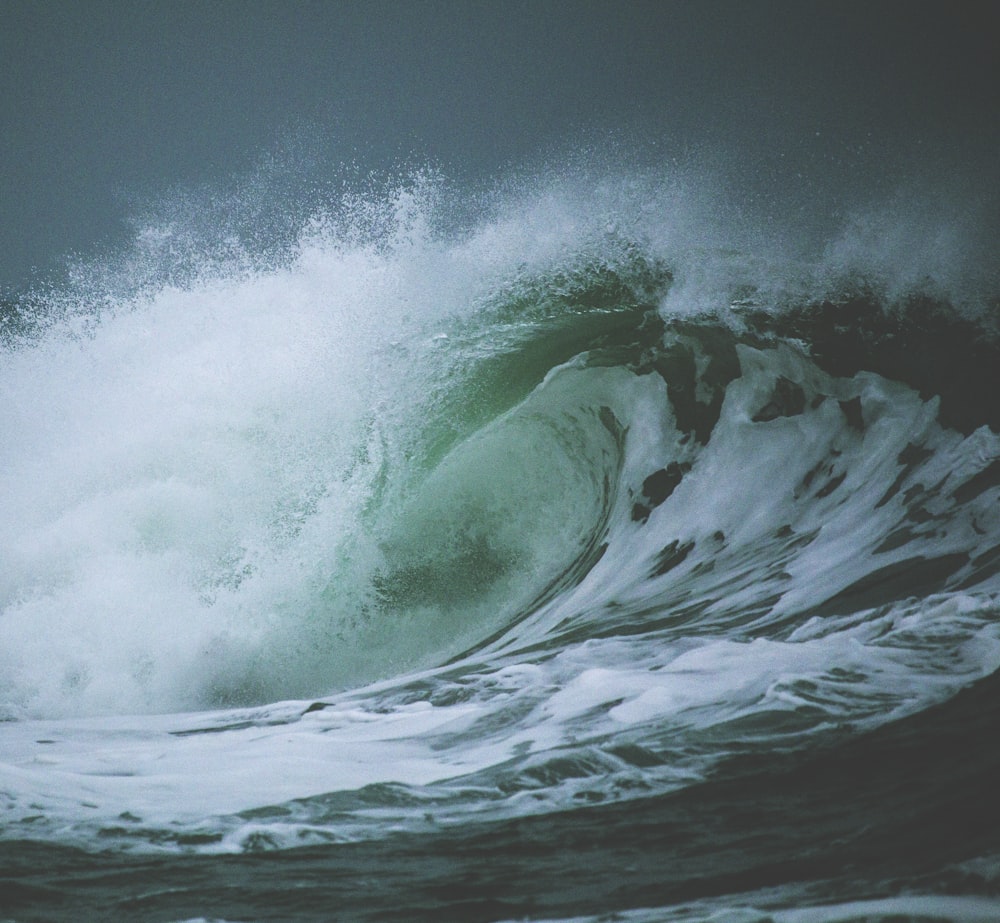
(107, 104)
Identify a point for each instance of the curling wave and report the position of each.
(511, 520)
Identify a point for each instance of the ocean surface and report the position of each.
(581, 550)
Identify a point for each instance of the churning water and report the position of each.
(586, 553)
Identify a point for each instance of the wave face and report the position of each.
(534, 529)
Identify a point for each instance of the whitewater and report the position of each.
(586, 547)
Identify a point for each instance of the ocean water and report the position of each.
(585, 550)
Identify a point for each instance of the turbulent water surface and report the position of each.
(580, 558)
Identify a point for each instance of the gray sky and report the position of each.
(104, 105)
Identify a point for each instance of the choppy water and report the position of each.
(585, 556)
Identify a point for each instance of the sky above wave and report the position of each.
(107, 106)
